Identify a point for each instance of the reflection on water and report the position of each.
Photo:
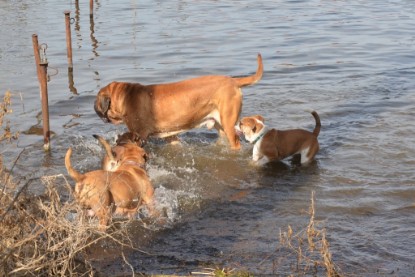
(352, 61)
(72, 87)
(77, 24)
(93, 39)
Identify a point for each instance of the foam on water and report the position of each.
(170, 203)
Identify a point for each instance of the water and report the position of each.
(352, 61)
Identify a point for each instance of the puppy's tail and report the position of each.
(246, 81)
(318, 123)
(106, 145)
(71, 171)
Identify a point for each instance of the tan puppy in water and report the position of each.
(270, 145)
(114, 154)
(122, 191)
(165, 110)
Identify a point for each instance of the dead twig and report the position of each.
(310, 248)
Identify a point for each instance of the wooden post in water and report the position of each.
(36, 53)
(68, 38)
(45, 105)
(42, 75)
(91, 8)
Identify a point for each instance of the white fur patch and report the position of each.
(304, 153)
(257, 156)
(208, 121)
(260, 131)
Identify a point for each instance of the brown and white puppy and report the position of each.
(270, 145)
(165, 110)
(122, 191)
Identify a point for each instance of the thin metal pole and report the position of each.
(91, 7)
(68, 38)
(37, 55)
(45, 105)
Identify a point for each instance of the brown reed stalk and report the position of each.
(310, 247)
(5, 108)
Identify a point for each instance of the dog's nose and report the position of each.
(106, 120)
(238, 130)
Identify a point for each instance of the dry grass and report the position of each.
(310, 248)
(222, 272)
(46, 235)
(5, 108)
(38, 239)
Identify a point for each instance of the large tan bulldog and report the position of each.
(165, 110)
(122, 191)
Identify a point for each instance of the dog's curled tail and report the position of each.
(318, 123)
(252, 79)
(106, 145)
(71, 171)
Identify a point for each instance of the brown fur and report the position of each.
(123, 191)
(114, 154)
(165, 110)
(277, 144)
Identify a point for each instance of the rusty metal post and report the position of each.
(45, 105)
(68, 38)
(36, 53)
(41, 69)
(43, 65)
(91, 7)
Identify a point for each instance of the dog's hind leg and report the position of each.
(308, 154)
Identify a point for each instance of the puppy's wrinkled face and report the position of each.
(130, 137)
(110, 165)
(128, 148)
(113, 164)
(132, 152)
(251, 127)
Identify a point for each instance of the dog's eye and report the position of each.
(254, 129)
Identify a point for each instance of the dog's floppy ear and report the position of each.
(101, 106)
(260, 118)
(104, 104)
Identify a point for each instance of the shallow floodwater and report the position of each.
(352, 61)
